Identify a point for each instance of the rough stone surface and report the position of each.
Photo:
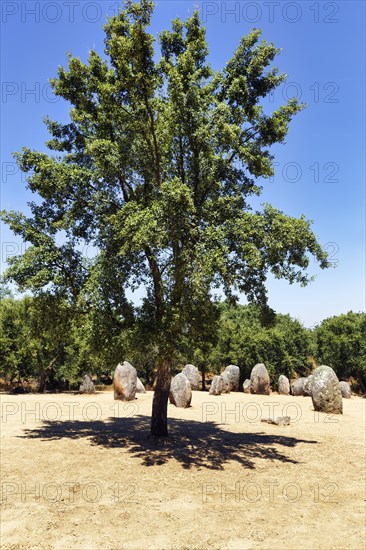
(233, 374)
(308, 384)
(345, 389)
(246, 386)
(180, 393)
(217, 385)
(297, 386)
(226, 380)
(283, 385)
(192, 374)
(259, 380)
(87, 385)
(125, 381)
(279, 420)
(140, 388)
(326, 392)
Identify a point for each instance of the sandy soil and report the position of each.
(80, 472)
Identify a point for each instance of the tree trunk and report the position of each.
(203, 378)
(159, 416)
(43, 376)
(42, 382)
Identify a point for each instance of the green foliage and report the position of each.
(17, 355)
(34, 335)
(48, 338)
(156, 169)
(341, 344)
(45, 338)
(284, 346)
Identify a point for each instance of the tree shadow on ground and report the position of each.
(191, 443)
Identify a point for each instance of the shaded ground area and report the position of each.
(82, 472)
(191, 443)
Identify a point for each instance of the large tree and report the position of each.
(156, 169)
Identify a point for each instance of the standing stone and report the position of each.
(125, 381)
(180, 393)
(217, 385)
(326, 392)
(308, 384)
(140, 388)
(259, 380)
(192, 374)
(297, 386)
(283, 385)
(233, 374)
(246, 386)
(226, 380)
(345, 389)
(87, 385)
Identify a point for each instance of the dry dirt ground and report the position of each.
(80, 472)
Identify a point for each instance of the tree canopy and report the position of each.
(285, 346)
(156, 169)
(341, 344)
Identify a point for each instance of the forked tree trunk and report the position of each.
(159, 416)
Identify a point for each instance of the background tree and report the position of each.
(34, 336)
(284, 346)
(200, 335)
(156, 169)
(16, 357)
(341, 344)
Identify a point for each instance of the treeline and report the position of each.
(46, 341)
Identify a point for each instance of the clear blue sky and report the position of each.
(321, 169)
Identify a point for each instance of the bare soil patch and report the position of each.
(81, 472)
